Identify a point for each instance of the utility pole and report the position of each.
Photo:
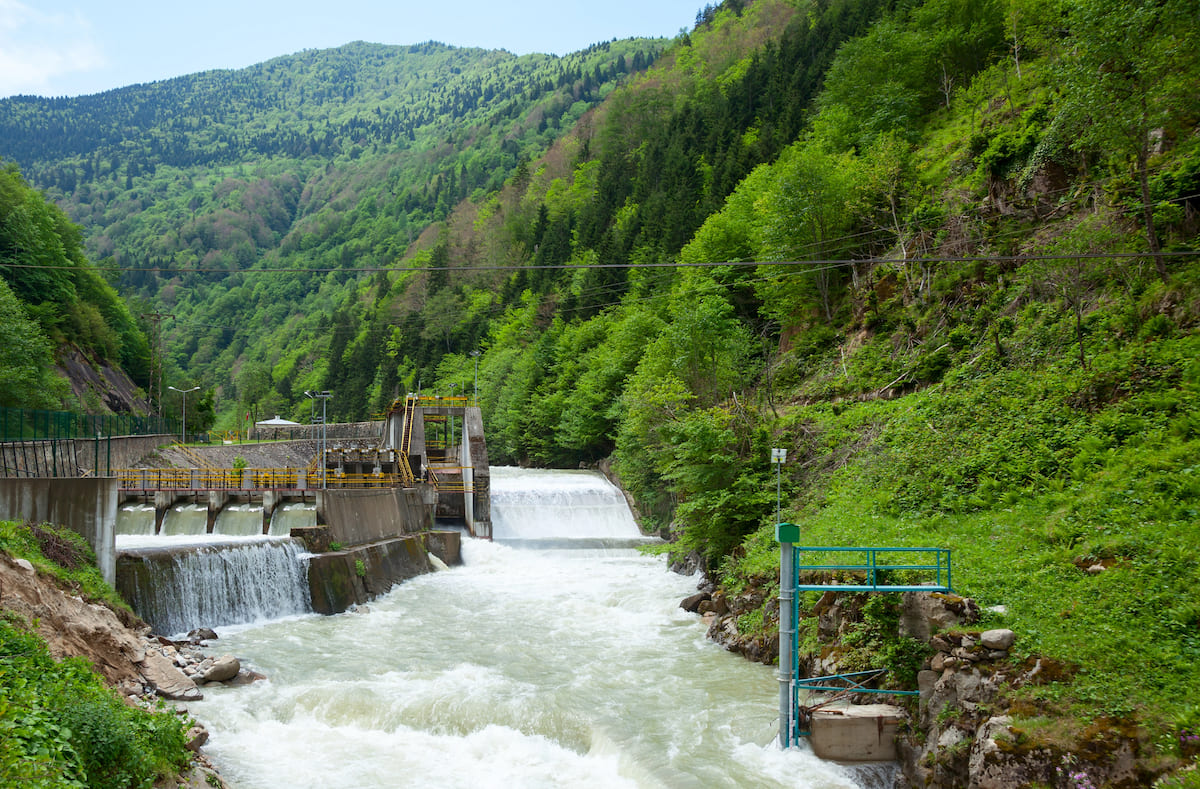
(156, 360)
(184, 392)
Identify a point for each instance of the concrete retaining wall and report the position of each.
(86, 506)
(358, 517)
(99, 457)
(337, 581)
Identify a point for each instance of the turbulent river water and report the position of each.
(546, 666)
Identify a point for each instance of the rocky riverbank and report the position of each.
(142, 667)
(972, 725)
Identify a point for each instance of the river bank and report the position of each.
(140, 667)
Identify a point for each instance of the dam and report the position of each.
(540, 661)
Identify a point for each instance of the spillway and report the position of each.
(529, 666)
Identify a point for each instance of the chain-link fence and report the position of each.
(28, 424)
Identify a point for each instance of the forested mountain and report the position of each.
(332, 159)
(943, 251)
(52, 300)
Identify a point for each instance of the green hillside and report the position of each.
(326, 162)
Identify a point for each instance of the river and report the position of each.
(525, 667)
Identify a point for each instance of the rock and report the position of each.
(998, 654)
(246, 677)
(197, 736)
(938, 662)
(998, 639)
(692, 603)
(168, 681)
(923, 613)
(223, 669)
(993, 766)
(965, 654)
(25, 565)
(202, 634)
(926, 680)
(1096, 569)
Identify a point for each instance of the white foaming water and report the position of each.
(540, 504)
(522, 668)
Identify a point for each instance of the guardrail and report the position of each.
(876, 575)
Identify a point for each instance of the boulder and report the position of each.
(197, 736)
(692, 603)
(222, 669)
(923, 613)
(998, 639)
(201, 634)
(168, 681)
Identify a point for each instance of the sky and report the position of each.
(77, 47)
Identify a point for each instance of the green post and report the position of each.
(786, 534)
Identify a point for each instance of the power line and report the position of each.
(819, 262)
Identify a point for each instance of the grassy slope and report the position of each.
(1034, 469)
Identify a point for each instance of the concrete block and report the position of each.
(856, 732)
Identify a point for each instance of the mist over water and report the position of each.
(522, 668)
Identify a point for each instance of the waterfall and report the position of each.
(177, 587)
(560, 509)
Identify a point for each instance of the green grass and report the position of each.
(60, 726)
(65, 555)
(1033, 470)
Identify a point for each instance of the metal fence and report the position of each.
(28, 424)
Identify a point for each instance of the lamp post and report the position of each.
(184, 392)
(476, 355)
(324, 398)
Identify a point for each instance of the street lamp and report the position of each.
(476, 355)
(184, 392)
(324, 398)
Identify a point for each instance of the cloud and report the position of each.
(36, 48)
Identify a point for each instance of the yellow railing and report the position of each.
(247, 479)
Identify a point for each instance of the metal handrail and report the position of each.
(940, 567)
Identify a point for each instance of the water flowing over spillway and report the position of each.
(525, 667)
(183, 582)
(539, 507)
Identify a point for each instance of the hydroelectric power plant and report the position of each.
(548, 652)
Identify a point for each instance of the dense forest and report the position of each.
(943, 251)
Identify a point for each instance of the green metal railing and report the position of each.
(866, 570)
(29, 424)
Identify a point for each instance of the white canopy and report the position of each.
(277, 422)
